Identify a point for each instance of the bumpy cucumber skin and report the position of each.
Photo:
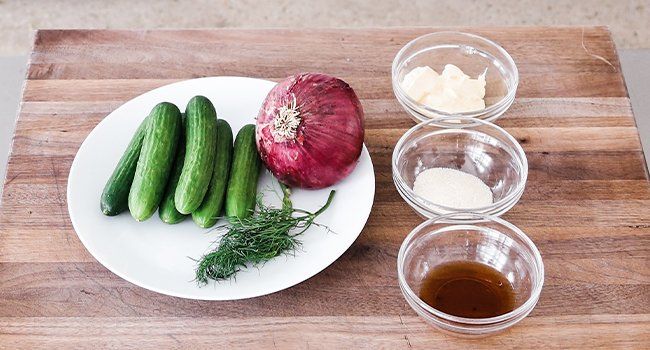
(244, 173)
(200, 149)
(167, 211)
(156, 160)
(208, 213)
(115, 197)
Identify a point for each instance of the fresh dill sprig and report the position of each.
(257, 239)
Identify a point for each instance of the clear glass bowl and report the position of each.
(470, 145)
(478, 238)
(473, 55)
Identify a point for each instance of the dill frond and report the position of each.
(257, 239)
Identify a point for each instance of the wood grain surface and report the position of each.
(586, 205)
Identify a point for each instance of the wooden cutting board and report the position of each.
(586, 205)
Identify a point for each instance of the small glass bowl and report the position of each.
(474, 55)
(474, 146)
(477, 238)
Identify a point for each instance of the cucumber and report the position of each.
(167, 211)
(115, 197)
(156, 160)
(207, 214)
(200, 149)
(244, 173)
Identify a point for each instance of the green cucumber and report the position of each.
(200, 149)
(167, 211)
(115, 197)
(241, 195)
(208, 213)
(156, 160)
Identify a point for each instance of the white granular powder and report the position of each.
(452, 188)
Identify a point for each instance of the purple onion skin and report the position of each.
(328, 140)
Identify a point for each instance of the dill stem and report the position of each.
(327, 204)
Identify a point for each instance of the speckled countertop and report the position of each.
(628, 19)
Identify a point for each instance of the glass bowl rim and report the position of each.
(472, 123)
(412, 104)
(524, 308)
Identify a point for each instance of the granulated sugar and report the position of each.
(452, 188)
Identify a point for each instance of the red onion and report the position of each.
(310, 130)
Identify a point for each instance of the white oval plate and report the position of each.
(157, 256)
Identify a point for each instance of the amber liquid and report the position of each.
(468, 289)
